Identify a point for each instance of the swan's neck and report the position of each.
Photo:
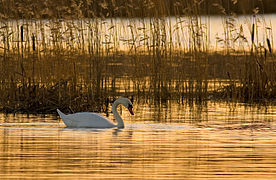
(117, 116)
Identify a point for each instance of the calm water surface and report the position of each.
(187, 141)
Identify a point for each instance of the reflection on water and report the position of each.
(215, 140)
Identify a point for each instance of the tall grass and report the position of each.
(81, 64)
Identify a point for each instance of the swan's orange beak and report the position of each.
(130, 110)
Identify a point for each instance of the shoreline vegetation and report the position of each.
(33, 9)
(77, 65)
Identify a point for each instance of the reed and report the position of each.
(74, 62)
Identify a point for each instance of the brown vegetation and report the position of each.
(34, 9)
(75, 63)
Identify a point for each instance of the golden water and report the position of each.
(188, 141)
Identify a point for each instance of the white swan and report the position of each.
(94, 120)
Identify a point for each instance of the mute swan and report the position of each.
(94, 120)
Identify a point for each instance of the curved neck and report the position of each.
(117, 116)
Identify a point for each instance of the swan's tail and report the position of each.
(61, 114)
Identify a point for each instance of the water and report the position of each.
(180, 141)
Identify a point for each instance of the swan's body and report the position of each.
(94, 120)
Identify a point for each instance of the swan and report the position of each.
(94, 120)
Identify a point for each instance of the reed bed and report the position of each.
(82, 63)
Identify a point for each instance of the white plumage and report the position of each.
(94, 120)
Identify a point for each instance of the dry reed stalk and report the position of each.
(81, 59)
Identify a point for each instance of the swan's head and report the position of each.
(127, 103)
